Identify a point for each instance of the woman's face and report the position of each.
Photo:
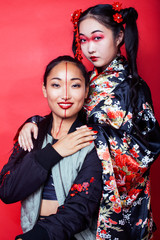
(65, 90)
(97, 42)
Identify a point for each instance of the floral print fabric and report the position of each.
(126, 148)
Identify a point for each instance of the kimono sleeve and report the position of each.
(134, 143)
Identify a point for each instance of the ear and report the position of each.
(119, 38)
(87, 90)
(44, 91)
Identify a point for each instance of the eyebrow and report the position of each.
(92, 32)
(72, 79)
(56, 78)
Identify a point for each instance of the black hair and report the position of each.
(103, 13)
(65, 58)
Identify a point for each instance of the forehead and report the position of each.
(90, 25)
(66, 69)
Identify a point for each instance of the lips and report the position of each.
(65, 105)
(93, 58)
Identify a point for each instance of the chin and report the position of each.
(98, 64)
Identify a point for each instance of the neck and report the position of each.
(61, 126)
(106, 66)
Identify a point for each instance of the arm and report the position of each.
(25, 171)
(137, 137)
(79, 207)
(134, 144)
(26, 130)
(29, 170)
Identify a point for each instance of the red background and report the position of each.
(33, 32)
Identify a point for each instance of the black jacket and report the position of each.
(28, 171)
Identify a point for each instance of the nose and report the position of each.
(66, 93)
(91, 47)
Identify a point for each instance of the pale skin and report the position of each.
(98, 43)
(78, 139)
(100, 47)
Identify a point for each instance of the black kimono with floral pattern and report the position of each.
(126, 149)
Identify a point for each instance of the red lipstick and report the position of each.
(65, 105)
(93, 58)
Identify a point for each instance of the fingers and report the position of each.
(35, 131)
(84, 132)
(27, 141)
(82, 135)
(74, 141)
(23, 142)
(82, 145)
(25, 137)
(19, 141)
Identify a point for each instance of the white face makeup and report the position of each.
(97, 42)
(65, 90)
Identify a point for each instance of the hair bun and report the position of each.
(129, 14)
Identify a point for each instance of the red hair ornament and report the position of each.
(74, 19)
(117, 6)
(117, 17)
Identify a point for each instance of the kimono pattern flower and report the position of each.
(127, 147)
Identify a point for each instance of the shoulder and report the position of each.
(142, 89)
(45, 121)
(143, 92)
(43, 127)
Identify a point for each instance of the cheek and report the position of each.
(84, 48)
(55, 92)
(81, 99)
(109, 45)
(103, 46)
(79, 96)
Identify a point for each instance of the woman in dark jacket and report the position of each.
(59, 181)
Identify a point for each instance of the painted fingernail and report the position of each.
(95, 131)
(90, 128)
(90, 141)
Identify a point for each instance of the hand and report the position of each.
(75, 141)
(25, 137)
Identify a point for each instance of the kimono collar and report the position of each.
(119, 64)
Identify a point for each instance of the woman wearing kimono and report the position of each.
(120, 108)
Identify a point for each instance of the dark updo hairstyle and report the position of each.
(65, 58)
(103, 13)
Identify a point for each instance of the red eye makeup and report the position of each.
(95, 37)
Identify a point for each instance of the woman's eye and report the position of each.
(82, 40)
(76, 85)
(55, 85)
(97, 38)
